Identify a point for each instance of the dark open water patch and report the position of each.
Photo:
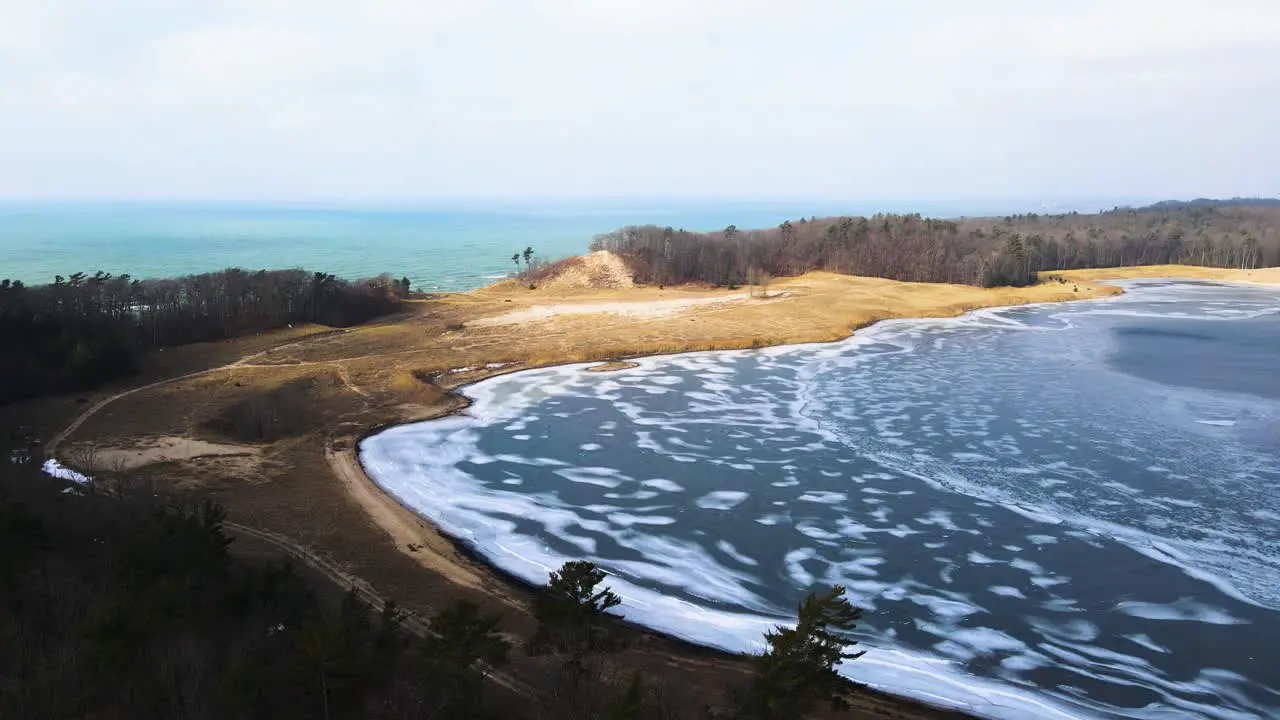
(1048, 512)
(1238, 356)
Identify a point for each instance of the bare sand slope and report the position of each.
(600, 269)
(150, 451)
(628, 308)
(167, 449)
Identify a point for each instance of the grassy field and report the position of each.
(292, 405)
(1265, 276)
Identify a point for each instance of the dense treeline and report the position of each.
(973, 251)
(84, 329)
(122, 608)
(120, 601)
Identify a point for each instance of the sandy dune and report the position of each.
(600, 269)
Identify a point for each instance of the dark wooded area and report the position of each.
(82, 330)
(973, 251)
(122, 599)
(120, 605)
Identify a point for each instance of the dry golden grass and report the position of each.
(1265, 276)
(197, 356)
(815, 307)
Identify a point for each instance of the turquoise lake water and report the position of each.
(453, 248)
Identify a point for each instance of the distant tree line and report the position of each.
(973, 251)
(1211, 202)
(81, 330)
(121, 601)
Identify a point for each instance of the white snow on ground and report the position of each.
(60, 471)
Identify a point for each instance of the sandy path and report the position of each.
(82, 417)
(91, 410)
(404, 527)
(166, 449)
(636, 309)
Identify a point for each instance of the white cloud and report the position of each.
(856, 100)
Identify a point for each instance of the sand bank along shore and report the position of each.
(1263, 276)
(309, 486)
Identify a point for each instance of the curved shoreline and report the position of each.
(971, 694)
(454, 571)
(979, 694)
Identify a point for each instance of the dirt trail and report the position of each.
(244, 362)
(96, 407)
(82, 417)
(365, 591)
(346, 380)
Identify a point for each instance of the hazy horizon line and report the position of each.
(621, 202)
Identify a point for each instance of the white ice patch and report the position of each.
(602, 477)
(823, 497)
(811, 530)
(1184, 609)
(727, 548)
(721, 500)
(1146, 642)
(794, 562)
(628, 519)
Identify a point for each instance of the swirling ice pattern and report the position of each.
(1034, 532)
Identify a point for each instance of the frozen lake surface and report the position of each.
(1050, 511)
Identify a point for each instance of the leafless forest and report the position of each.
(83, 329)
(975, 251)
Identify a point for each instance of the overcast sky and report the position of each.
(371, 100)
